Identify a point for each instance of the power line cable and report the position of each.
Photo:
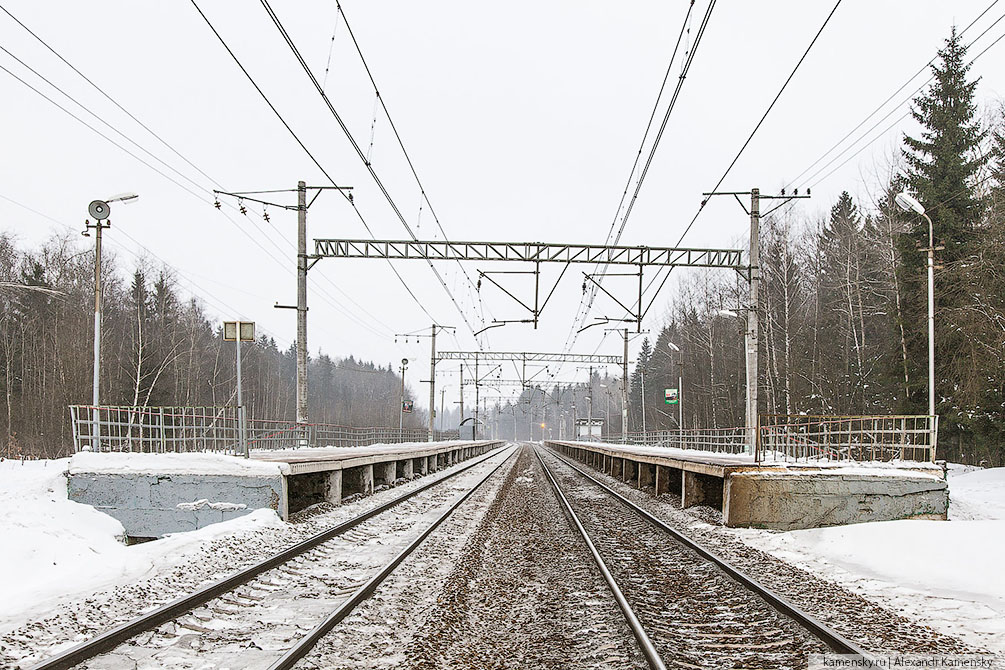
(304, 147)
(326, 296)
(352, 140)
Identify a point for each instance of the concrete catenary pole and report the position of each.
(475, 424)
(432, 381)
(624, 393)
(302, 303)
(752, 331)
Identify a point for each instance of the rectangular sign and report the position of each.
(232, 328)
(671, 396)
(406, 406)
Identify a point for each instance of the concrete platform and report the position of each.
(156, 494)
(783, 496)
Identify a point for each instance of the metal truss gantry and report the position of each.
(528, 252)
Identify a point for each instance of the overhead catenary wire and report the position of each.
(401, 144)
(660, 274)
(352, 140)
(180, 185)
(893, 95)
(324, 295)
(303, 146)
(582, 314)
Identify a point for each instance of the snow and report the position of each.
(171, 463)
(946, 574)
(204, 502)
(977, 494)
(329, 452)
(54, 549)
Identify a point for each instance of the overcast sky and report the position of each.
(522, 119)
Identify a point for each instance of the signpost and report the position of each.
(240, 331)
(406, 406)
(671, 396)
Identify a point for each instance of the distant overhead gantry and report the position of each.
(528, 357)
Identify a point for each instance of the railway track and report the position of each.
(255, 614)
(686, 606)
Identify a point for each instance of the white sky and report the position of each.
(522, 119)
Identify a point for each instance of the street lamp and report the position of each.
(100, 210)
(910, 204)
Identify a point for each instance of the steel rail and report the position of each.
(645, 643)
(814, 626)
(175, 608)
(306, 643)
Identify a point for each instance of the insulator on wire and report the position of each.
(216, 203)
(265, 214)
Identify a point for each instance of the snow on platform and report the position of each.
(945, 574)
(170, 463)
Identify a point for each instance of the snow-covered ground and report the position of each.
(945, 574)
(55, 549)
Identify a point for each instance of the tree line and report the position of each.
(158, 348)
(843, 306)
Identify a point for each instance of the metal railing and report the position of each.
(846, 438)
(719, 440)
(217, 429)
(155, 429)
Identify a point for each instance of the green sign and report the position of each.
(671, 396)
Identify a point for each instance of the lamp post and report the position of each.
(100, 210)
(910, 204)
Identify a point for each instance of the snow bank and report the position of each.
(960, 559)
(946, 574)
(54, 548)
(977, 494)
(184, 464)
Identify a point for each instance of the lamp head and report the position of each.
(909, 203)
(673, 347)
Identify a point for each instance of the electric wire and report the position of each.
(352, 140)
(394, 129)
(743, 148)
(303, 146)
(581, 313)
(326, 296)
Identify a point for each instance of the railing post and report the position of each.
(163, 434)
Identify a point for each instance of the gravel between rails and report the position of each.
(695, 614)
(377, 632)
(524, 593)
(76, 621)
(874, 627)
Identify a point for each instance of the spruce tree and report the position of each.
(943, 163)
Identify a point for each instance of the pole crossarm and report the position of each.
(532, 252)
(530, 357)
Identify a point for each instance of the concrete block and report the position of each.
(333, 493)
(357, 480)
(384, 473)
(646, 474)
(153, 505)
(630, 471)
(420, 465)
(662, 480)
(786, 501)
(692, 492)
(404, 468)
(617, 467)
